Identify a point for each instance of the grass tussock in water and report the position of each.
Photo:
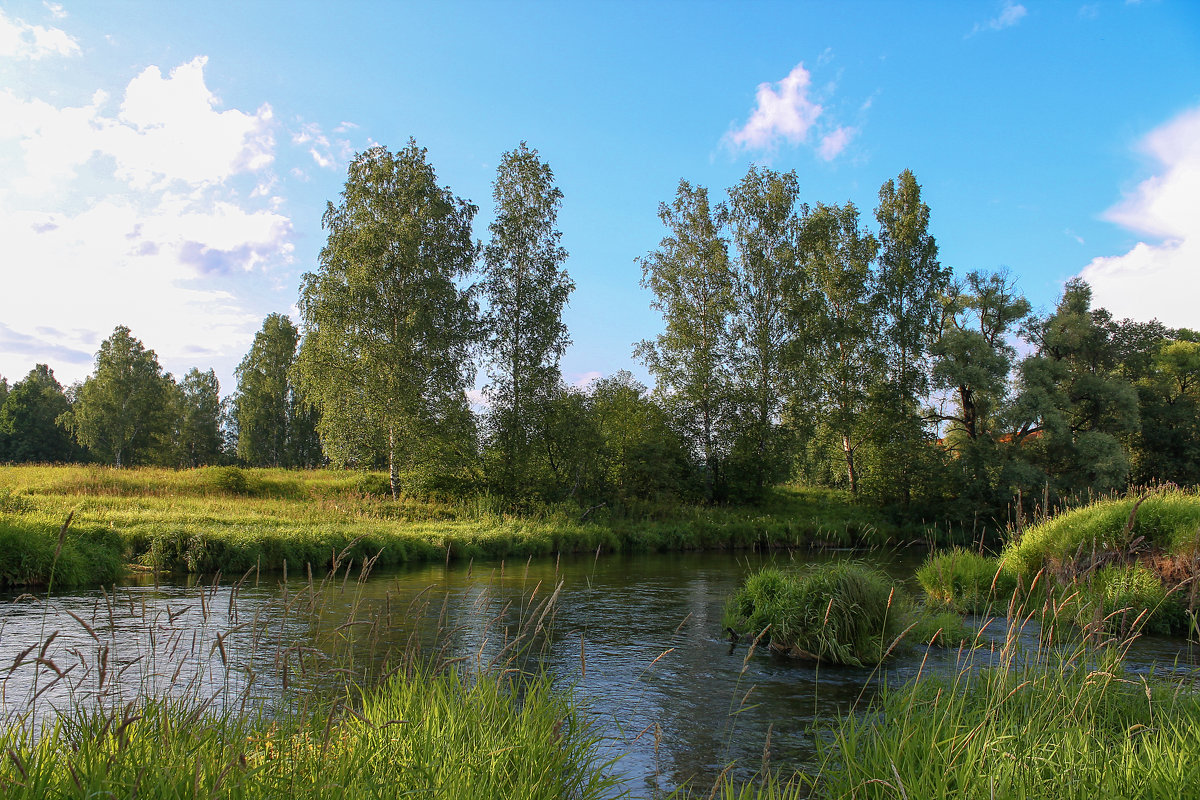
(230, 520)
(843, 612)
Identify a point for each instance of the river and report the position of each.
(639, 639)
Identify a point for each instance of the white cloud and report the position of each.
(834, 142)
(138, 216)
(787, 111)
(1010, 14)
(55, 9)
(1158, 278)
(783, 111)
(168, 130)
(19, 39)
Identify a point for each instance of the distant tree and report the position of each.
(764, 220)
(973, 363)
(274, 427)
(199, 441)
(526, 288)
(839, 326)
(974, 356)
(692, 359)
(123, 410)
(642, 455)
(28, 417)
(1167, 445)
(3, 435)
(388, 332)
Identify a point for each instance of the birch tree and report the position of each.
(526, 288)
(387, 330)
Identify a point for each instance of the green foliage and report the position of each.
(691, 359)
(839, 329)
(197, 438)
(764, 221)
(226, 479)
(28, 420)
(123, 411)
(526, 289)
(388, 331)
(966, 581)
(842, 612)
(1073, 396)
(274, 426)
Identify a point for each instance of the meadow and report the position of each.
(232, 520)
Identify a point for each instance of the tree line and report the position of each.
(799, 343)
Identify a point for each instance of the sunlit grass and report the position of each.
(232, 520)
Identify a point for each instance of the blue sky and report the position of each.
(165, 165)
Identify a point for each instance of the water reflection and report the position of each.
(639, 638)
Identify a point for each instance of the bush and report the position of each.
(230, 480)
(843, 612)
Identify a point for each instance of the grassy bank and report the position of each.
(233, 520)
(1113, 564)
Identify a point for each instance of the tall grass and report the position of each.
(235, 710)
(1052, 722)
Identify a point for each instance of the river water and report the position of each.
(639, 638)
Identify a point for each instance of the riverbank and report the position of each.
(233, 520)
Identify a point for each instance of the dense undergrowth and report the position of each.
(232, 520)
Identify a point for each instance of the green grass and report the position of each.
(422, 732)
(843, 612)
(1075, 727)
(232, 520)
(1166, 522)
(965, 581)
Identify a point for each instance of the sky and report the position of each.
(165, 166)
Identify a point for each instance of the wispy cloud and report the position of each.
(1010, 14)
(787, 111)
(21, 40)
(1156, 278)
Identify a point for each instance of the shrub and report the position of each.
(230, 480)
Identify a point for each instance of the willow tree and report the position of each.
(526, 288)
(388, 331)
